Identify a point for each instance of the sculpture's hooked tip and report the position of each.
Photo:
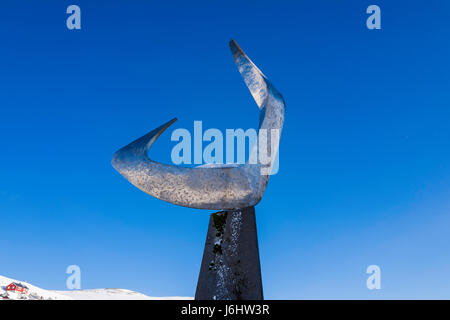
(238, 54)
(138, 148)
(254, 79)
(159, 131)
(236, 51)
(233, 45)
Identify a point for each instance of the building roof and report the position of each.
(18, 284)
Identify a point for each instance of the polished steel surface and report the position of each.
(218, 187)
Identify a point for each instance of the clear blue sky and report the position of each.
(364, 161)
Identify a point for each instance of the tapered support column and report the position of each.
(230, 267)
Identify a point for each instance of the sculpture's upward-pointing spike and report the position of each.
(214, 188)
(253, 77)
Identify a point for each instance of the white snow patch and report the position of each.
(36, 293)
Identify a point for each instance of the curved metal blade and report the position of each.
(215, 188)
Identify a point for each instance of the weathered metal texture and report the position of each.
(217, 187)
(230, 267)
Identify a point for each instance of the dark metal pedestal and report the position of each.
(230, 267)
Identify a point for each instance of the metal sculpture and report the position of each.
(216, 188)
(233, 188)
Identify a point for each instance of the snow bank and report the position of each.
(35, 293)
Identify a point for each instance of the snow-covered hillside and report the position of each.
(35, 293)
